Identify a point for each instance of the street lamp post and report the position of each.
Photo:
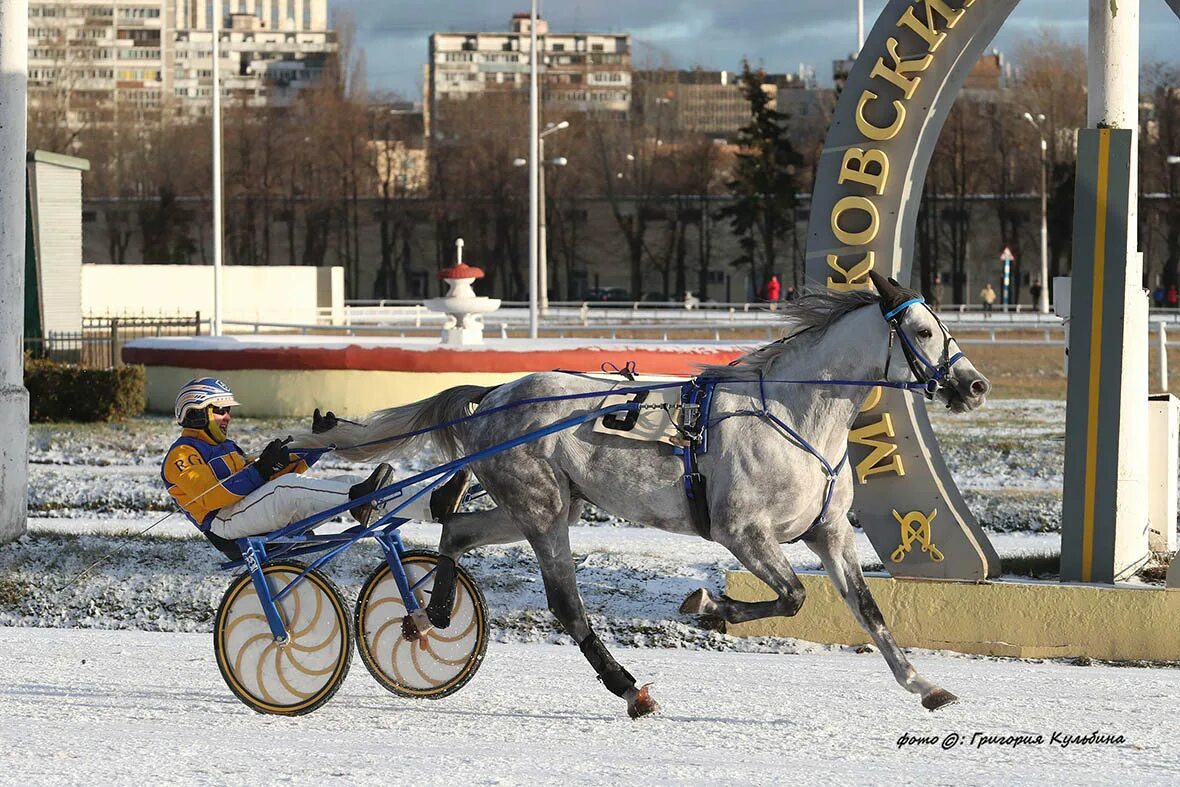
(534, 161)
(860, 25)
(542, 281)
(542, 236)
(1043, 300)
(218, 210)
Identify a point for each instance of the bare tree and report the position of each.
(1050, 76)
(1159, 141)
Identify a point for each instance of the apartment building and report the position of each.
(709, 102)
(108, 60)
(98, 58)
(270, 50)
(581, 72)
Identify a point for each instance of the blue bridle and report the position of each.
(932, 376)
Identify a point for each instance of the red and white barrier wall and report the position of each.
(292, 375)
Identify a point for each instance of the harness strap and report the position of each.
(696, 396)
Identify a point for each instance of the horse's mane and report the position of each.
(811, 314)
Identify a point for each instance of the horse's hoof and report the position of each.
(642, 703)
(937, 698)
(696, 603)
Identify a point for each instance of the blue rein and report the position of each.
(927, 383)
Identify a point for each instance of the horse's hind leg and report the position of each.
(445, 500)
(460, 534)
(552, 548)
(759, 552)
(834, 544)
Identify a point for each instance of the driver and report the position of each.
(227, 496)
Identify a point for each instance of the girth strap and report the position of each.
(695, 398)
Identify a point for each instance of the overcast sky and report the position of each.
(715, 34)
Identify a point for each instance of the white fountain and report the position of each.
(464, 309)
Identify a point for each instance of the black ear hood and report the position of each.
(892, 294)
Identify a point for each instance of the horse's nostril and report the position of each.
(980, 387)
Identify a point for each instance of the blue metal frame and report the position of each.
(294, 540)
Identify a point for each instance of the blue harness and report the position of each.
(696, 399)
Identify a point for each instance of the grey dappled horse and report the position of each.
(763, 488)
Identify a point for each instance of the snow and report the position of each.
(105, 707)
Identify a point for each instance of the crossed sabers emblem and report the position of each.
(915, 526)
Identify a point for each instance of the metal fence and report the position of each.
(99, 344)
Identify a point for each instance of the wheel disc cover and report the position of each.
(289, 676)
(449, 652)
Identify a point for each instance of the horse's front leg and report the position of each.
(833, 543)
(758, 550)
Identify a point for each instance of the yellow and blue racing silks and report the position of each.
(204, 476)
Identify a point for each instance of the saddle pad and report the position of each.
(648, 424)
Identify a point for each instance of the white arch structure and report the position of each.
(864, 214)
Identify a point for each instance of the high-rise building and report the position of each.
(708, 102)
(99, 61)
(581, 72)
(93, 58)
(270, 49)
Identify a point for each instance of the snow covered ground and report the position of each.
(103, 707)
(108, 675)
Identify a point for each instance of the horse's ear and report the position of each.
(886, 288)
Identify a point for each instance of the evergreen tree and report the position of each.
(763, 187)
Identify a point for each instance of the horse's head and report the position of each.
(930, 352)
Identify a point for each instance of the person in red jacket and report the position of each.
(228, 496)
(773, 289)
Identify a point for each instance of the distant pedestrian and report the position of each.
(987, 296)
(791, 295)
(1035, 291)
(773, 291)
(1158, 295)
(1173, 296)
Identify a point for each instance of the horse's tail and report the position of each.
(379, 434)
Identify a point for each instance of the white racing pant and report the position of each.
(293, 497)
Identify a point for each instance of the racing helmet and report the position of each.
(196, 395)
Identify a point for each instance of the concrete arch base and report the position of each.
(1016, 619)
(14, 461)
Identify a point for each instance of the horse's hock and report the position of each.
(1023, 620)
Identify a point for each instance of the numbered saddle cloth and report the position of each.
(655, 422)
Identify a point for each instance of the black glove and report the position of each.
(323, 423)
(273, 459)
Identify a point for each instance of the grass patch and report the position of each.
(12, 592)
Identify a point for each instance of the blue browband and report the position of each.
(889, 315)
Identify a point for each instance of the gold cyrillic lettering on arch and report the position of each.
(855, 167)
(878, 133)
(927, 31)
(880, 450)
(854, 278)
(872, 400)
(895, 74)
(860, 237)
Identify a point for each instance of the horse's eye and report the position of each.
(925, 333)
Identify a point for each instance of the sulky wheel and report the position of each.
(442, 662)
(300, 675)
